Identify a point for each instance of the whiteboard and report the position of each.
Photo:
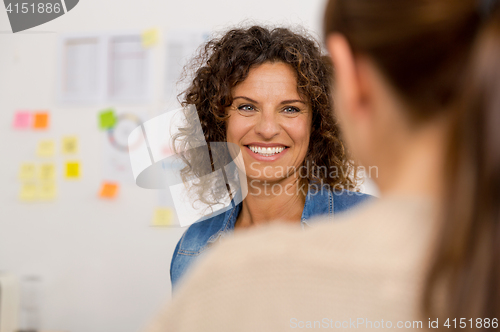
(102, 267)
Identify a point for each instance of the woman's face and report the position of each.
(270, 122)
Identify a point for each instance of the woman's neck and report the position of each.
(272, 201)
(419, 169)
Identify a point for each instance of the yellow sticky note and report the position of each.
(47, 172)
(69, 145)
(46, 148)
(163, 217)
(72, 170)
(28, 192)
(47, 190)
(150, 37)
(27, 172)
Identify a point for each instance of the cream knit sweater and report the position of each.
(364, 272)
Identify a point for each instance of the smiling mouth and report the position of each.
(267, 152)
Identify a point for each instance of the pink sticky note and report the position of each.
(22, 119)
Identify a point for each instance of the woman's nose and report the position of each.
(267, 125)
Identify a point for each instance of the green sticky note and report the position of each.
(107, 118)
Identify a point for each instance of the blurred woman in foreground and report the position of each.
(418, 95)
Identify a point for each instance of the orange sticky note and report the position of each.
(108, 190)
(72, 170)
(163, 217)
(41, 120)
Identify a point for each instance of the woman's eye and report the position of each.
(246, 108)
(291, 110)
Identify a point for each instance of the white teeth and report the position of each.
(266, 151)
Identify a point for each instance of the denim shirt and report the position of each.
(201, 235)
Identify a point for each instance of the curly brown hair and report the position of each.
(225, 61)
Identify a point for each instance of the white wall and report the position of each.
(103, 268)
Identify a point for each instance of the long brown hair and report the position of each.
(444, 56)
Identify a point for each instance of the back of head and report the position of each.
(443, 56)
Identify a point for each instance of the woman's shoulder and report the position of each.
(200, 233)
(327, 201)
(345, 199)
(195, 240)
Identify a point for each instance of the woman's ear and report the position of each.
(346, 85)
(353, 79)
(355, 97)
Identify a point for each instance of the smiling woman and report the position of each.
(271, 124)
(267, 91)
(274, 125)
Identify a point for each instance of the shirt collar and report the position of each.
(318, 202)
